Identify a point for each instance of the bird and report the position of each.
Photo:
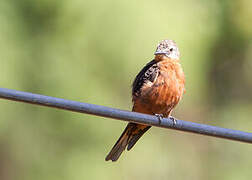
(156, 90)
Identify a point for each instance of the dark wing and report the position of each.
(148, 73)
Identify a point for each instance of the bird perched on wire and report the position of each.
(156, 90)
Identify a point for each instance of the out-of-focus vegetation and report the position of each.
(90, 51)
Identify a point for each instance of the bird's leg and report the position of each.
(174, 121)
(160, 117)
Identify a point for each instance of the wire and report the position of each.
(125, 115)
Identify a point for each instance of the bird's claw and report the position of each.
(174, 121)
(160, 117)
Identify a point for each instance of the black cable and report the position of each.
(125, 115)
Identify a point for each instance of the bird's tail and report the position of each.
(129, 137)
(120, 145)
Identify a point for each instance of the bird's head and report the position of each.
(167, 49)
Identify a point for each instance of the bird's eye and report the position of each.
(171, 49)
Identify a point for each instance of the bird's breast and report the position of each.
(162, 95)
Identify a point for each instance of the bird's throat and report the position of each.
(162, 57)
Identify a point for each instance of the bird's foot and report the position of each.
(160, 117)
(174, 121)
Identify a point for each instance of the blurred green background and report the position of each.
(90, 51)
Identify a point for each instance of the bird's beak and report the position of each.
(160, 52)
